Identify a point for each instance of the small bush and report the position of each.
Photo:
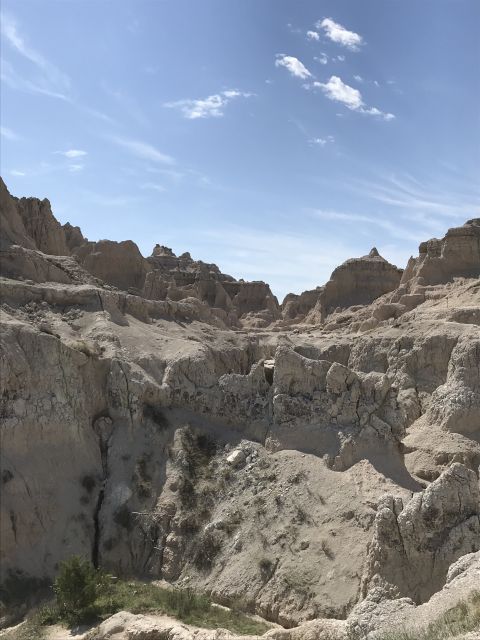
(185, 601)
(187, 494)
(207, 550)
(76, 588)
(19, 589)
(266, 568)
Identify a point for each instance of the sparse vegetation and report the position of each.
(18, 589)
(266, 567)
(199, 449)
(207, 549)
(460, 619)
(138, 597)
(142, 477)
(76, 589)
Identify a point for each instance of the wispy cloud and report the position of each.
(395, 230)
(321, 141)
(38, 85)
(142, 150)
(338, 91)
(75, 168)
(152, 186)
(293, 65)
(211, 107)
(322, 58)
(17, 173)
(421, 201)
(358, 78)
(127, 104)
(313, 35)
(8, 134)
(339, 34)
(72, 153)
(45, 77)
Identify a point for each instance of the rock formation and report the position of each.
(358, 281)
(319, 465)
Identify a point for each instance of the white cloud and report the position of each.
(72, 153)
(142, 150)
(373, 111)
(8, 134)
(293, 65)
(322, 58)
(335, 89)
(210, 107)
(313, 35)
(358, 79)
(321, 141)
(75, 168)
(339, 34)
(340, 59)
(15, 172)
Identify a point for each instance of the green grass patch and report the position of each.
(139, 597)
(462, 618)
(184, 604)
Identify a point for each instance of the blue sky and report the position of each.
(276, 138)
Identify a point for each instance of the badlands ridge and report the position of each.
(316, 460)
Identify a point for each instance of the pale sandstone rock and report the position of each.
(100, 385)
(413, 547)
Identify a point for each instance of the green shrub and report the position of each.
(76, 588)
(185, 601)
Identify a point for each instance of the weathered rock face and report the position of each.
(11, 224)
(456, 255)
(356, 282)
(414, 546)
(180, 277)
(41, 225)
(118, 263)
(296, 307)
(142, 432)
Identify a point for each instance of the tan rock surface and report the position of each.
(143, 431)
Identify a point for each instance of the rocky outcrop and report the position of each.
(180, 277)
(358, 281)
(41, 225)
(457, 254)
(296, 307)
(414, 546)
(117, 263)
(12, 228)
(140, 430)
